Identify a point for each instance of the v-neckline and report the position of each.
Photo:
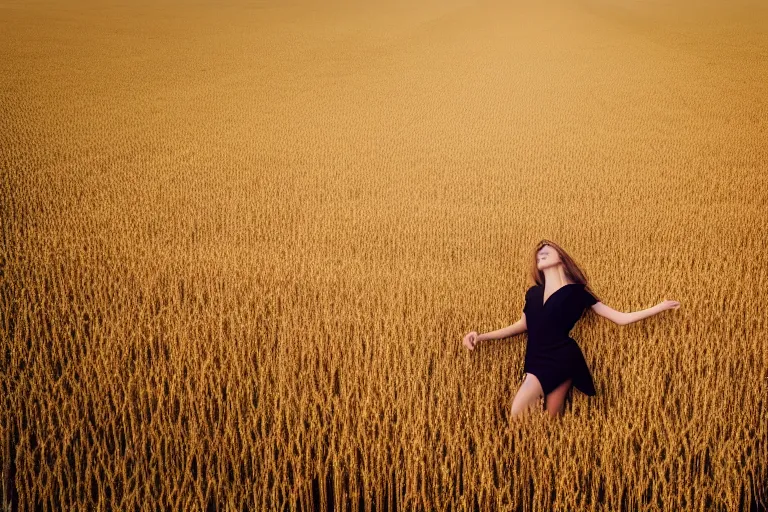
(544, 303)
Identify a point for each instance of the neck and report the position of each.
(554, 277)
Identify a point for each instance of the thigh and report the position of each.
(556, 398)
(530, 391)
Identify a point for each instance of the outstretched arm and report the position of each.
(621, 318)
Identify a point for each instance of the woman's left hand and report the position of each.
(669, 304)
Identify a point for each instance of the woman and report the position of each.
(553, 360)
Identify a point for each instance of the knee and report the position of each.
(554, 413)
(517, 411)
(519, 407)
(555, 407)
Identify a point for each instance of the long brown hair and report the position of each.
(572, 270)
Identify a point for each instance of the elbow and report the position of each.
(623, 319)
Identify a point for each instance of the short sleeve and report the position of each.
(527, 300)
(589, 299)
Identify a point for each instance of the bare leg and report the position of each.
(529, 393)
(555, 400)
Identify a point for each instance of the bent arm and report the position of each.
(516, 328)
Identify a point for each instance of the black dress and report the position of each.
(550, 354)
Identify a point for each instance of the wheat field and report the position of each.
(242, 241)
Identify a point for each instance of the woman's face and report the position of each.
(547, 257)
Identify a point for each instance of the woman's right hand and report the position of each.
(470, 340)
